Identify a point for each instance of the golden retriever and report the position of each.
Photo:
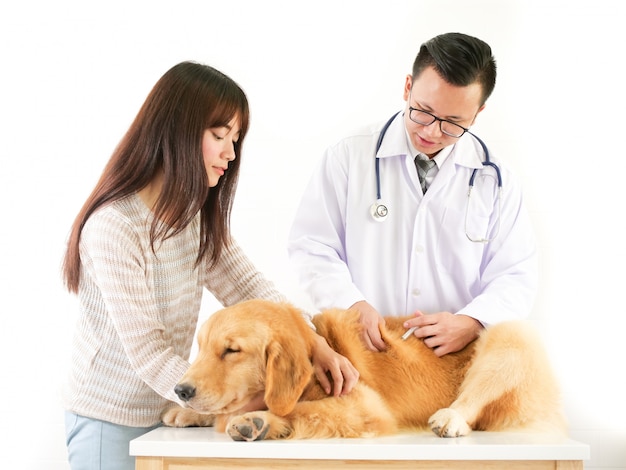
(501, 381)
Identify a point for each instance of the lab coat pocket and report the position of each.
(480, 207)
(464, 219)
(456, 253)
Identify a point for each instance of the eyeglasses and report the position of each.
(426, 119)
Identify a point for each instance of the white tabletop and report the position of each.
(206, 442)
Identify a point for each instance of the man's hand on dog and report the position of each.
(443, 332)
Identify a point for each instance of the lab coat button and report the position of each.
(419, 249)
(416, 292)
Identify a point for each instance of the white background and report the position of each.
(73, 75)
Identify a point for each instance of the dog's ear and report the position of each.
(287, 373)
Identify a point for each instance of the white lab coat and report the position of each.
(419, 258)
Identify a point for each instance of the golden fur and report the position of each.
(502, 381)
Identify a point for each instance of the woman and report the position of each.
(153, 233)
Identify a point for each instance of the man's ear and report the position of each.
(477, 113)
(407, 87)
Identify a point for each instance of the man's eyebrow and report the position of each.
(446, 118)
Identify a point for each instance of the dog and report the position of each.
(500, 382)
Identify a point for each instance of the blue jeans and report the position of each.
(99, 445)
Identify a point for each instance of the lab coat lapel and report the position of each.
(463, 155)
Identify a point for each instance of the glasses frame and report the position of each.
(435, 118)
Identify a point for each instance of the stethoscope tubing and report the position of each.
(487, 162)
(378, 144)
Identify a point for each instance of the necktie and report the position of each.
(423, 167)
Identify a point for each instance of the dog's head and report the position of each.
(246, 348)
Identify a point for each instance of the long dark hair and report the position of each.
(166, 136)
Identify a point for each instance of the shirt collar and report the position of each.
(439, 158)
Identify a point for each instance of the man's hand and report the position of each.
(445, 332)
(371, 321)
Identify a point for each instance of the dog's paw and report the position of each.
(448, 423)
(179, 417)
(252, 426)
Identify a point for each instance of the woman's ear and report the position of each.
(287, 373)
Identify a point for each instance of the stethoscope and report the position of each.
(380, 211)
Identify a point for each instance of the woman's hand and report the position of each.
(327, 361)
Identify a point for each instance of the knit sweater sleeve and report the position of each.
(235, 279)
(118, 261)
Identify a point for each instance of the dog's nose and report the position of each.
(185, 391)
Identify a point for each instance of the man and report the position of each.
(458, 264)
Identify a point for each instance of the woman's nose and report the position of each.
(229, 153)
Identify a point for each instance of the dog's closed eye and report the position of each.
(228, 351)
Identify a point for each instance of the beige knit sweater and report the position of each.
(138, 312)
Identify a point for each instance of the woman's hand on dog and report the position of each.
(327, 361)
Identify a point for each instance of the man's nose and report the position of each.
(434, 128)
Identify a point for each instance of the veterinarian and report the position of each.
(151, 236)
(372, 234)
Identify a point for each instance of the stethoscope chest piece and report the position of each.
(379, 211)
